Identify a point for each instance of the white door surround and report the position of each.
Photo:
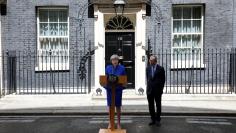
(136, 16)
(0, 56)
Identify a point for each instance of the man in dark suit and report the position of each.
(155, 75)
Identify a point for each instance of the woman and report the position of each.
(117, 70)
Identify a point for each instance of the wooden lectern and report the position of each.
(121, 80)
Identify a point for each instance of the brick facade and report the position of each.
(19, 27)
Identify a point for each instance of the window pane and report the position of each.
(196, 56)
(44, 44)
(196, 26)
(53, 27)
(63, 15)
(180, 54)
(54, 44)
(177, 12)
(186, 41)
(196, 41)
(55, 24)
(64, 43)
(43, 29)
(53, 16)
(175, 54)
(177, 27)
(63, 29)
(185, 56)
(44, 47)
(187, 12)
(187, 44)
(43, 15)
(187, 26)
(58, 48)
(197, 12)
(177, 41)
(63, 49)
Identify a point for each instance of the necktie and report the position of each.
(153, 71)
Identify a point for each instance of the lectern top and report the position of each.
(122, 80)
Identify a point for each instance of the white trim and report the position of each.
(53, 8)
(53, 36)
(41, 65)
(119, 30)
(53, 22)
(187, 65)
(1, 72)
(99, 38)
(140, 36)
(189, 5)
(185, 19)
(191, 63)
(47, 67)
(187, 33)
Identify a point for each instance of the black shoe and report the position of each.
(152, 123)
(158, 123)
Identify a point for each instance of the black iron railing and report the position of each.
(33, 73)
(212, 71)
(195, 71)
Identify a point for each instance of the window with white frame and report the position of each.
(187, 36)
(53, 39)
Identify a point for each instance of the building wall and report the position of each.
(218, 22)
(21, 22)
(219, 32)
(2, 38)
(0, 56)
(234, 23)
(20, 32)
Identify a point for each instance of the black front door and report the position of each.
(122, 44)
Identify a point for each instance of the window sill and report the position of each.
(201, 67)
(39, 70)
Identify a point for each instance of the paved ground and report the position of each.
(86, 104)
(133, 124)
(15, 108)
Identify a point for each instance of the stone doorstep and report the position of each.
(174, 97)
(127, 95)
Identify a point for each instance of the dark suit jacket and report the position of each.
(156, 84)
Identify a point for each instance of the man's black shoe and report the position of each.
(152, 123)
(158, 123)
